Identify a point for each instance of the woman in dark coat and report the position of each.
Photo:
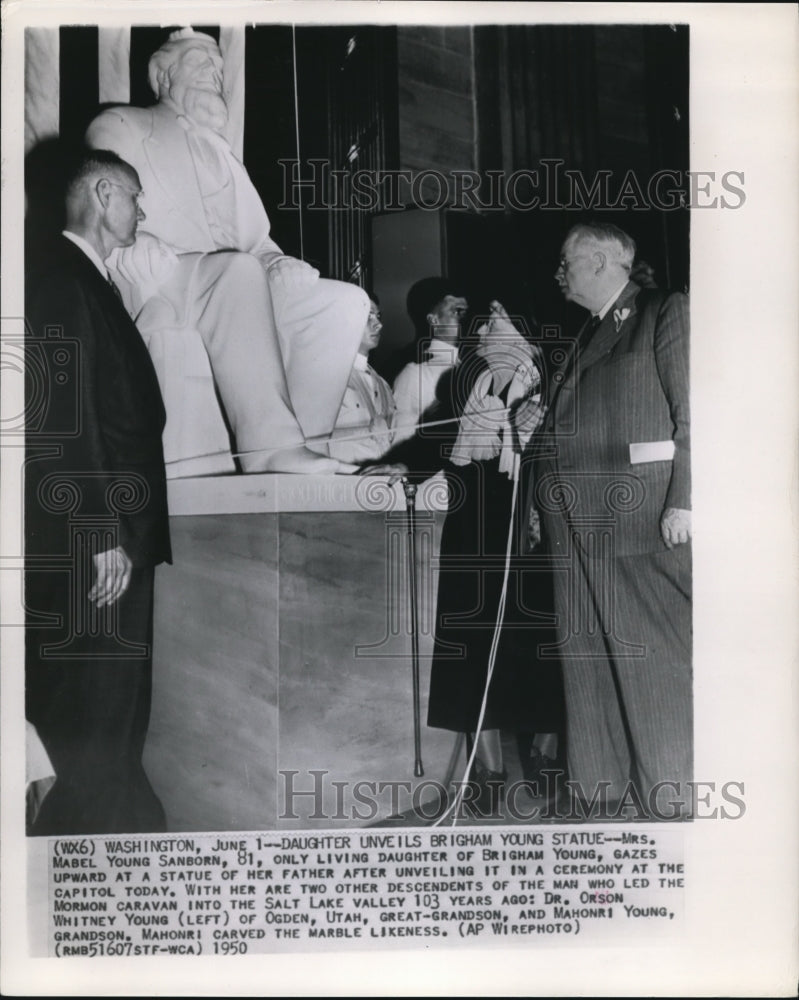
(477, 454)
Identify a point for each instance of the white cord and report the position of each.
(492, 655)
(327, 438)
(297, 125)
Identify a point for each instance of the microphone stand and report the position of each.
(410, 506)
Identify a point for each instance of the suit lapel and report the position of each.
(89, 272)
(602, 341)
(609, 331)
(155, 149)
(118, 322)
(160, 148)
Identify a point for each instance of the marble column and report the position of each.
(42, 85)
(231, 45)
(113, 53)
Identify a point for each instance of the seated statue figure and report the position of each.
(281, 340)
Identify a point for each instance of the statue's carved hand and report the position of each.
(292, 274)
(146, 265)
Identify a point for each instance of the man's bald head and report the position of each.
(595, 261)
(102, 196)
(604, 236)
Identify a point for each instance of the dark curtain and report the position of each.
(610, 98)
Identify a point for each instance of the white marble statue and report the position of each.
(280, 339)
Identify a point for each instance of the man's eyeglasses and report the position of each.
(136, 195)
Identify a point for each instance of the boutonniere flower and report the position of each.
(619, 316)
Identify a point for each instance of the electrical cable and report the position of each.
(327, 438)
(297, 125)
(492, 655)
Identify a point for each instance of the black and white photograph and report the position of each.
(354, 607)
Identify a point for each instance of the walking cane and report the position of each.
(410, 506)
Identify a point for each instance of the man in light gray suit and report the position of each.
(611, 482)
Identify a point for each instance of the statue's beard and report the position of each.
(204, 107)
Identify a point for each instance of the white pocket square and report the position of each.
(651, 451)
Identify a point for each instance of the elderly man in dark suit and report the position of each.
(612, 485)
(96, 517)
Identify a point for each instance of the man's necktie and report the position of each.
(588, 332)
(583, 340)
(114, 288)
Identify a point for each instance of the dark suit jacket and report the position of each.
(629, 387)
(96, 415)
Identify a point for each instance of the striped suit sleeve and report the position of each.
(672, 360)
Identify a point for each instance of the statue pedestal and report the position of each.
(282, 653)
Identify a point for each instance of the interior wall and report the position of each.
(437, 126)
(510, 98)
(597, 98)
